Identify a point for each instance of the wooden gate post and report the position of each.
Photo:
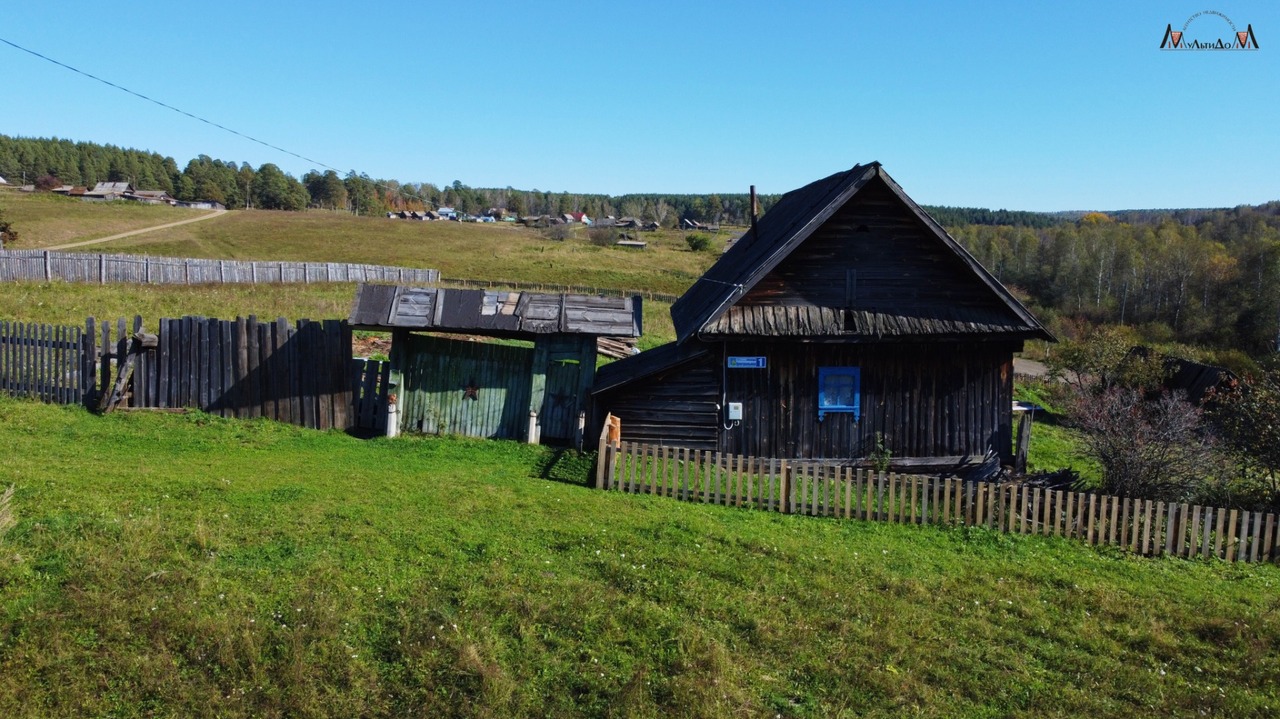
(606, 450)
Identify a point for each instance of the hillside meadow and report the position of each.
(44, 219)
(499, 251)
(186, 565)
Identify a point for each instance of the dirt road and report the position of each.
(130, 233)
(1029, 367)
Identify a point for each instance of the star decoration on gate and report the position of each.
(471, 391)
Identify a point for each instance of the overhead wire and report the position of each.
(193, 116)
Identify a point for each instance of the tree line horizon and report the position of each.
(1207, 277)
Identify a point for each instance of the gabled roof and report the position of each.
(106, 188)
(796, 217)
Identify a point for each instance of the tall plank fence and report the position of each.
(797, 487)
(46, 265)
(238, 368)
(370, 381)
(303, 374)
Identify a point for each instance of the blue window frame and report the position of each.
(839, 390)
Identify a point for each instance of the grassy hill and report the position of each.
(170, 565)
(191, 566)
(45, 219)
(458, 250)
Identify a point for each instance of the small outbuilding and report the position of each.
(448, 381)
(846, 325)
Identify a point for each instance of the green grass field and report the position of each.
(458, 250)
(167, 565)
(45, 219)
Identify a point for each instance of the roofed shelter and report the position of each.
(846, 323)
(447, 382)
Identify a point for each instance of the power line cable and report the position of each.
(194, 116)
(165, 105)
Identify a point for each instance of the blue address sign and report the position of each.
(747, 363)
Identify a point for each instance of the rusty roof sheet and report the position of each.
(497, 313)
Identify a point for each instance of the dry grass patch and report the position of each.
(45, 219)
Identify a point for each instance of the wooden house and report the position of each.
(108, 191)
(151, 197)
(846, 325)
(448, 382)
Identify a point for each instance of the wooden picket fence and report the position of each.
(47, 362)
(46, 266)
(820, 489)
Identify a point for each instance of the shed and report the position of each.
(446, 384)
(847, 320)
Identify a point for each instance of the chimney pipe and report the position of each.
(755, 210)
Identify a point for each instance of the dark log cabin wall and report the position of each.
(924, 400)
(676, 408)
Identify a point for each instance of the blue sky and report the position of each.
(1035, 106)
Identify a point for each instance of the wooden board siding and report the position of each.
(674, 408)
(873, 269)
(935, 400)
(237, 368)
(550, 378)
(829, 213)
(437, 373)
(570, 369)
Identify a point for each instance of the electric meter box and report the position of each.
(735, 412)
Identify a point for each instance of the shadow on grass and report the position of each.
(567, 465)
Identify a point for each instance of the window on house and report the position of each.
(839, 390)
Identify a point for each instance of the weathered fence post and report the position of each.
(784, 491)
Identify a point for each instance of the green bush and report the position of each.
(602, 236)
(698, 242)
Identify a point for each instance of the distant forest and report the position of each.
(53, 162)
(1196, 276)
